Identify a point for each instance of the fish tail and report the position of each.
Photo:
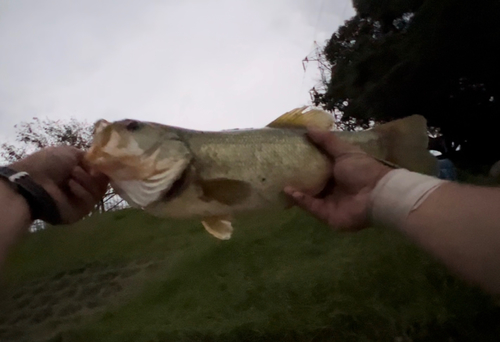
(405, 142)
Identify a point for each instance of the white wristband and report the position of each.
(397, 194)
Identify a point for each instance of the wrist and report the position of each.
(16, 202)
(397, 194)
(16, 217)
(23, 166)
(40, 203)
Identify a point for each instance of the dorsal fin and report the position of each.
(296, 118)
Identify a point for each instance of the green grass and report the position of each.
(285, 277)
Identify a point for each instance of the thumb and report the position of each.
(329, 142)
(314, 205)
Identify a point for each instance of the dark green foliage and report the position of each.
(385, 11)
(435, 58)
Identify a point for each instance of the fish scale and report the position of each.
(217, 176)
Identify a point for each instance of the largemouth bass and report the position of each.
(181, 173)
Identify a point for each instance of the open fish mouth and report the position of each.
(156, 171)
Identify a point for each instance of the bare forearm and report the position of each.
(460, 225)
(58, 185)
(15, 217)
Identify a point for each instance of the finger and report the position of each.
(77, 152)
(102, 182)
(84, 198)
(327, 189)
(98, 176)
(315, 206)
(60, 196)
(96, 184)
(70, 153)
(329, 142)
(64, 158)
(87, 166)
(89, 183)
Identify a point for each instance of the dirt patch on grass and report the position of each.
(39, 309)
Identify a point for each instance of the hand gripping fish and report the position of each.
(180, 173)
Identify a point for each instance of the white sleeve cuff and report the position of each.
(397, 194)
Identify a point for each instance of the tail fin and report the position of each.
(405, 142)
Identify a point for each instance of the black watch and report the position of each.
(41, 204)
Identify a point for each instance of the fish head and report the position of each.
(143, 160)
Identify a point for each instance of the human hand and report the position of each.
(344, 203)
(61, 171)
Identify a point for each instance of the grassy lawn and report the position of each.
(286, 278)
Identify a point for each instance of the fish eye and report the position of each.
(133, 126)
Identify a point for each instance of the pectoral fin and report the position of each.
(219, 227)
(298, 119)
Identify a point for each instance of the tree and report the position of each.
(37, 134)
(435, 58)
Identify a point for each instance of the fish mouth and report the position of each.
(178, 186)
(111, 162)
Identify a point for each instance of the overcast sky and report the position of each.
(201, 64)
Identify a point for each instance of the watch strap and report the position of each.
(41, 204)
